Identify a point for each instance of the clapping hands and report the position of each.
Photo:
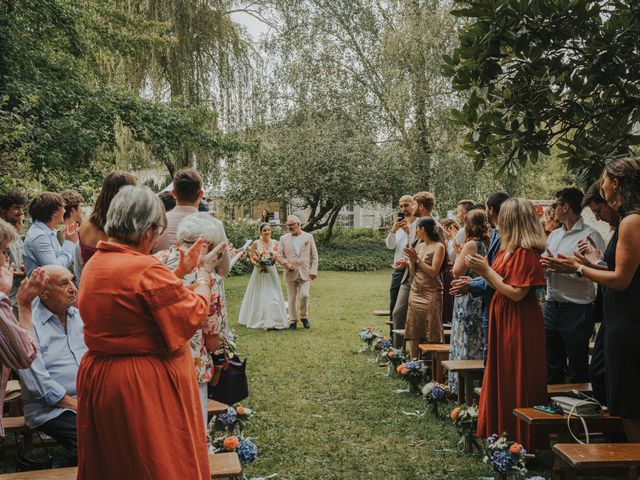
(560, 263)
(31, 287)
(6, 278)
(477, 263)
(209, 261)
(70, 232)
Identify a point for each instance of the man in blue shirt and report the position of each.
(41, 246)
(478, 287)
(49, 385)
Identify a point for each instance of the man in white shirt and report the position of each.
(398, 240)
(568, 310)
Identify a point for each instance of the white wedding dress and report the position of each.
(263, 303)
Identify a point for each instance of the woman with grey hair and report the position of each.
(138, 407)
(211, 337)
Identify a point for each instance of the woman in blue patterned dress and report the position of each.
(467, 338)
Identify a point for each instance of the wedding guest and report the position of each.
(467, 337)
(424, 203)
(450, 228)
(549, 222)
(194, 231)
(300, 259)
(592, 257)
(568, 309)
(17, 341)
(264, 217)
(41, 246)
(397, 240)
(138, 320)
(424, 313)
(92, 232)
(463, 208)
(73, 202)
(168, 200)
(12, 211)
(620, 188)
(513, 377)
(49, 384)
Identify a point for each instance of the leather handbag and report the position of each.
(229, 384)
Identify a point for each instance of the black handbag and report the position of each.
(232, 385)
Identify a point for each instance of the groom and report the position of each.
(300, 257)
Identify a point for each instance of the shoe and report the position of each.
(293, 325)
(305, 323)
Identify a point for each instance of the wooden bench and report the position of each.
(596, 458)
(381, 313)
(216, 408)
(222, 465)
(558, 389)
(468, 371)
(556, 424)
(439, 352)
(447, 335)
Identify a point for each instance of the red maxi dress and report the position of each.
(515, 374)
(139, 414)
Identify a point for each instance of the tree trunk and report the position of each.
(333, 216)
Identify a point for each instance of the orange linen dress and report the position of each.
(139, 414)
(515, 374)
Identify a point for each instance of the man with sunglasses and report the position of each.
(300, 259)
(568, 309)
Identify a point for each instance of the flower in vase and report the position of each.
(502, 461)
(247, 451)
(230, 444)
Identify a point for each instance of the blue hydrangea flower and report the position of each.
(247, 451)
(228, 418)
(437, 393)
(502, 462)
(385, 344)
(411, 365)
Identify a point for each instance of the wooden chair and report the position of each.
(216, 408)
(439, 352)
(596, 458)
(381, 313)
(222, 465)
(468, 371)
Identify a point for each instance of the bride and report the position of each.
(263, 303)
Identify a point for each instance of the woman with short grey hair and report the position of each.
(138, 320)
(212, 337)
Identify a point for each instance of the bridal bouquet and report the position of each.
(435, 394)
(264, 258)
(507, 458)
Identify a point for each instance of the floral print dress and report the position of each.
(216, 322)
(467, 336)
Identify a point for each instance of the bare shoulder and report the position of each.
(439, 247)
(469, 248)
(629, 226)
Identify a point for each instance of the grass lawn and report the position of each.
(324, 411)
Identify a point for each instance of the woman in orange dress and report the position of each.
(139, 414)
(515, 374)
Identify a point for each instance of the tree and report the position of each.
(540, 74)
(57, 109)
(319, 159)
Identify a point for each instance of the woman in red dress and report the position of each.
(139, 414)
(515, 374)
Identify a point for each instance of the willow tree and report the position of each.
(206, 62)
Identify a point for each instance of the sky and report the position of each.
(254, 26)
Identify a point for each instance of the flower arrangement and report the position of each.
(264, 259)
(414, 372)
(244, 447)
(465, 419)
(230, 422)
(507, 458)
(435, 394)
(394, 357)
(382, 344)
(368, 336)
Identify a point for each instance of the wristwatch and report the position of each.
(579, 272)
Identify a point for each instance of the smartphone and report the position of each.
(400, 215)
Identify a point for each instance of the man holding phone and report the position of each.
(568, 309)
(398, 240)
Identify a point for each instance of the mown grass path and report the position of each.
(324, 411)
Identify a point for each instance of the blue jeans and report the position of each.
(568, 328)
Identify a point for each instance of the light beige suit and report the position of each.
(298, 280)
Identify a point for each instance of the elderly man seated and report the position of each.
(49, 385)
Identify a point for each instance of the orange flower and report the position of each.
(240, 410)
(400, 367)
(404, 371)
(230, 444)
(515, 448)
(455, 413)
(391, 354)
